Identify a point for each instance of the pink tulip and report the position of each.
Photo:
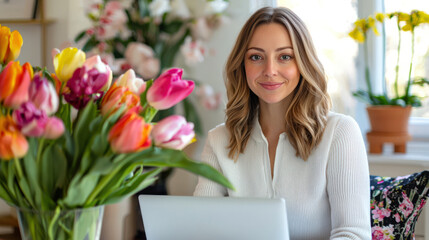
(30, 120)
(95, 62)
(54, 128)
(130, 134)
(84, 85)
(133, 83)
(43, 95)
(173, 132)
(169, 89)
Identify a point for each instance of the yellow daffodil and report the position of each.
(10, 45)
(67, 61)
(371, 23)
(380, 17)
(357, 35)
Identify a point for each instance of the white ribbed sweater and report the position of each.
(327, 196)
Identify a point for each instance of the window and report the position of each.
(329, 29)
(421, 52)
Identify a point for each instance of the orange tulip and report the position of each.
(14, 84)
(115, 97)
(10, 45)
(12, 142)
(130, 134)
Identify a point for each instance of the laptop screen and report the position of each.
(188, 218)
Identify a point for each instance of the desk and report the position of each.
(415, 160)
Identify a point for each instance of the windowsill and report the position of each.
(417, 155)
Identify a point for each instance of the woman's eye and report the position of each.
(255, 57)
(285, 57)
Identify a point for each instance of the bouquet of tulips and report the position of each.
(74, 139)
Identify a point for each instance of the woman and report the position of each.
(279, 138)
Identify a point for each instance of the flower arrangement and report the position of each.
(72, 139)
(405, 23)
(147, 35)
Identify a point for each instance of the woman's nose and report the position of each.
(270, 68)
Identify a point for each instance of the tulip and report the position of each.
(117, 96)
(85, 85)
(133, 83)
(10, 45)
(30, 120)
(12, 143)
(169, 89)
(173, 132)
(130, 134)
(95, 62)
(14, 84)
(67, 61)
(54, 128)
(43, 95)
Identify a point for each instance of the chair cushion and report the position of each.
(396, 204)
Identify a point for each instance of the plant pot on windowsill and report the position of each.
(389, 124)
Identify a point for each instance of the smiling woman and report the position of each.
(271, 70)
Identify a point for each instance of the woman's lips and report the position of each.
(271, 85)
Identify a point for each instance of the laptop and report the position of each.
(213, 218)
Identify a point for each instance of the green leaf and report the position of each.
(172, 27)
(157, 157)
(79, 36)
(53, 168)
(138, 183)
(79, 190)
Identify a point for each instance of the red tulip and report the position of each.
(130, 134)
(115, 97)
(14, 84)
(12, 142)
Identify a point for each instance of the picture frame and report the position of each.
(17, 9)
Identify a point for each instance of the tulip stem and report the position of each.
(18, 167)
(39, 150)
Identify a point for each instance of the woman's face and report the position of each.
(271, 69)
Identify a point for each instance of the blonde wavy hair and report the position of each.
(306, 115)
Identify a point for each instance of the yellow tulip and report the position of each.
(10, 45)
(67, 61)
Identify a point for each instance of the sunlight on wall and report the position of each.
(329, 29)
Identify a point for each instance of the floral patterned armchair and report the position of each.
(396, 204)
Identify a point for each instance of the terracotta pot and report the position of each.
(389, 124)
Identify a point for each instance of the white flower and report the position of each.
(208, 97)
(216, 6)
(180, 9)
(142, 58)
(159, 7)
(193, 51)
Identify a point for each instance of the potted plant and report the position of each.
(389, 111)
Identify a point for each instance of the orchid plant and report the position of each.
(72, 139)
(405, 23)
(148, 35)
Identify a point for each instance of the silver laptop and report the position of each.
(213, 218)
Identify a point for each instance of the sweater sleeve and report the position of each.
(348, 183)
(204, 186)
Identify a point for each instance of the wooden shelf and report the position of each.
(26, 21)
(40, 20)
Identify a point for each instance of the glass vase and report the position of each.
(67, 224)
